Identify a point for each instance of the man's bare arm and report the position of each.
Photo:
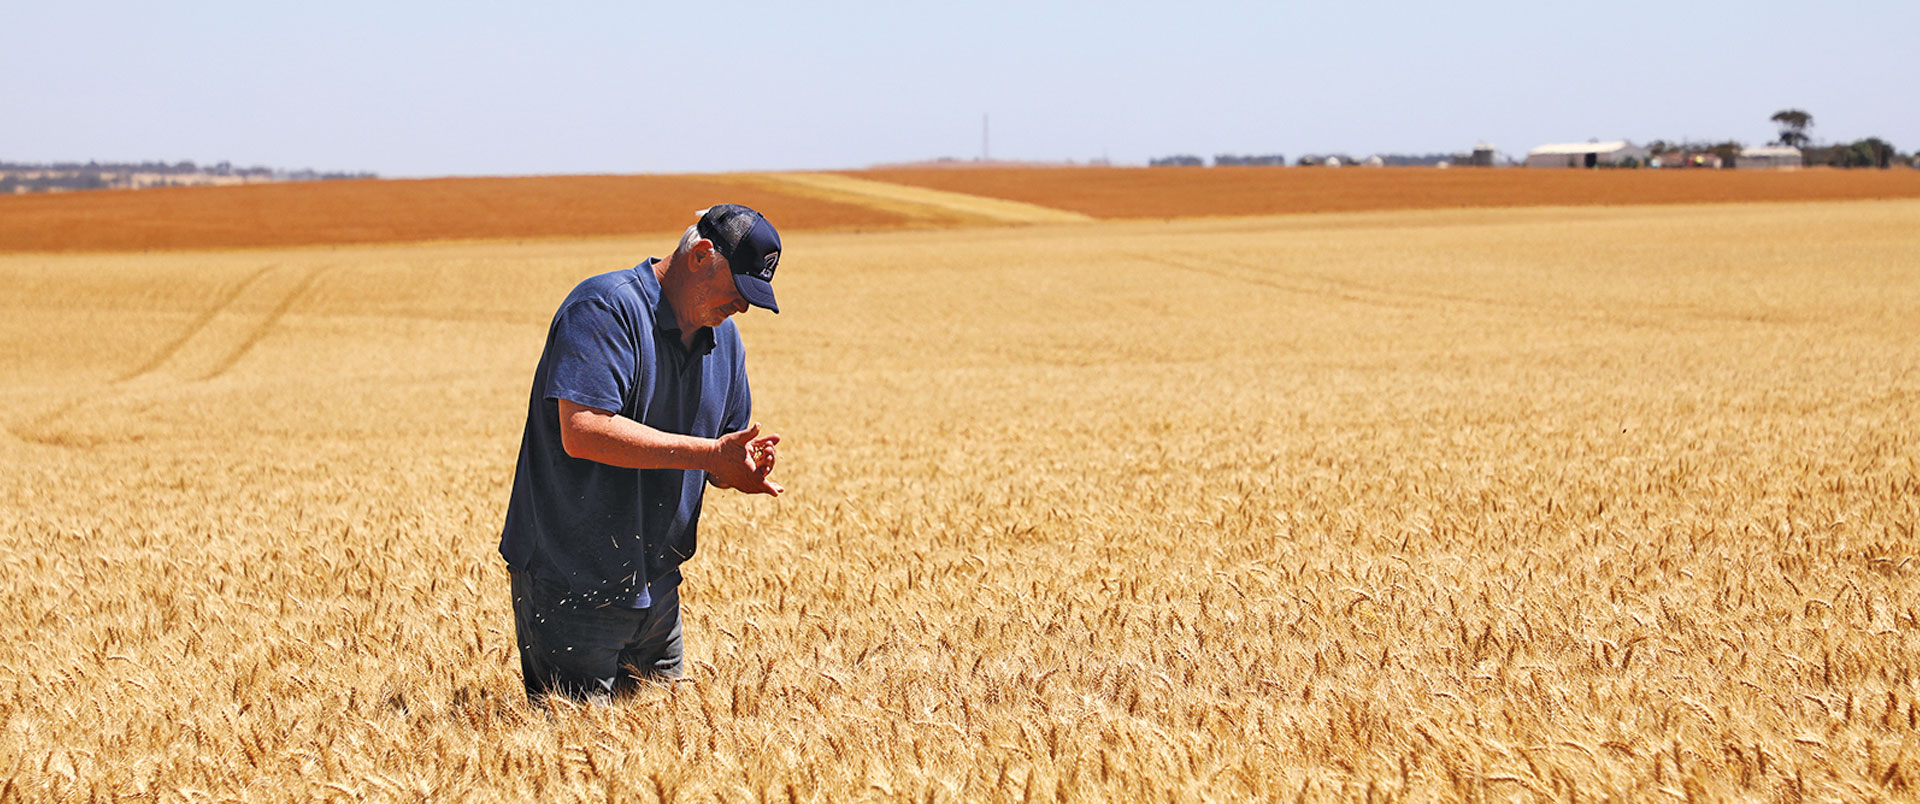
(738, 461)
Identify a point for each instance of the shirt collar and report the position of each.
(665, 322)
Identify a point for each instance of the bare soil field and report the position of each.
(403, 211)
(396, 211)
(1538, 504)
(1193, 192)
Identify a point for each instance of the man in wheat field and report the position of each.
(640, 400)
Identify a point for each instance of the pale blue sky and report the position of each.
(469, 88)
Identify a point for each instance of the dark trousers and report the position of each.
(584, 652)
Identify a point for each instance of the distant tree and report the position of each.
(1729, 152)
(1264, 160)
(1179, 160)
(1793, 127)
(1870, 152)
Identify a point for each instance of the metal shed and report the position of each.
(1769, 157)
(1586, 154)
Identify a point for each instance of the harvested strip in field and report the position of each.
(920, 204)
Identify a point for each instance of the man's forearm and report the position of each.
(608, 438)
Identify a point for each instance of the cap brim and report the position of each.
(756, 292)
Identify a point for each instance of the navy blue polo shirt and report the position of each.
(607, 531)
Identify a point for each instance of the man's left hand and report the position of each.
(745, 458)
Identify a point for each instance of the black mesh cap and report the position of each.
(751, 246)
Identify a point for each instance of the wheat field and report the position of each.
(1550, 504)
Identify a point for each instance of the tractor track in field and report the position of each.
(216, 340)
(1344, 290)
(223, 334)
(199, 323)
(1289, 284)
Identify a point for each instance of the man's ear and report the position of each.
(705, 256)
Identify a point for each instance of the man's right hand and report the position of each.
(741, 461)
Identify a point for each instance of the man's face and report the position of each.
(715, 297)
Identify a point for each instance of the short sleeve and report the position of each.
(591, 357)
(739, 401)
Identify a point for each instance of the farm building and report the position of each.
(1586, 154)
(1768, 157)
(1687, 158)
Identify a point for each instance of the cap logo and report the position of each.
(771, 262)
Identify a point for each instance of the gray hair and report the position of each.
(686, 240)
